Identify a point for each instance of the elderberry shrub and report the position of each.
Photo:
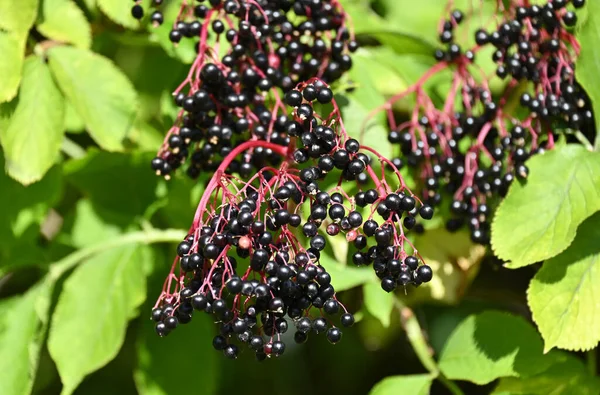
(252, 258)
(475, 153)
(270, 46)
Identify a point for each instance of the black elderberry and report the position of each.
(137, 11)
(388, 284)
(424, 273)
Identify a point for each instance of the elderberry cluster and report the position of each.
(270, 46)
(245, 260)
(282, 286)
(474, 154)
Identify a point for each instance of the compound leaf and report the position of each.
(565, 377)
(538, 219)
(20, 341)
(18, 17)
(102, 95)
(93, 310)
(416, 384)
(490, 345)
(32, 140)
(63, 20)
(563, 295)
(11, 64)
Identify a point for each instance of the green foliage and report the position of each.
(538, 219)
(589, 60)
(63, 20)
(563, 295)
(491, 345)
(17, 19)
(418, 384)
(98, 300)
(31, 150)
(103, 97)
(20, 342)
(11, 64)
(568, 375)
(378, 303)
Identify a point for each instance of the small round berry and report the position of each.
(278, 348)
(157, 314)
(137, 11)
(199, 302)
(331, 306)
(347, 320)
(231, 351)
(319, 325)
(334, 335)
(300, 337)
(324, 96)
(426, 211)
(412, 262)
(219, 343)
(424, 273)
(175, 36)
(161, 329)
(388, 284)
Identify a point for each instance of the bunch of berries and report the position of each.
(475, 144)
(252, 257)
(249, 52)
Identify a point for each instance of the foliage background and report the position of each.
(87, 231)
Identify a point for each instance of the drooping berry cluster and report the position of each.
(245, 259)
(474, 153)
(249, 53)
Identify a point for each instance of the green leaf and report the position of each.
(120, 11)
(389, 33)
(356, 106)
(563, 295)
(153, 376)
(122, 184)
(89, 227)
(378, 302)
(588, 63)
(455, 261)
(11, 64)
(491, 345)
(63, 20)
(99, 91)
(18, 17)
(344, 277)
(568, 376)
(21, 339)
(73, 122)
(31, 149)
(93, 310)
(416, 384)
(538, 219)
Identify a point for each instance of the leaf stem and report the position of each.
(147, 236)
(414, 332)
(592, 361)
(72, 149)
